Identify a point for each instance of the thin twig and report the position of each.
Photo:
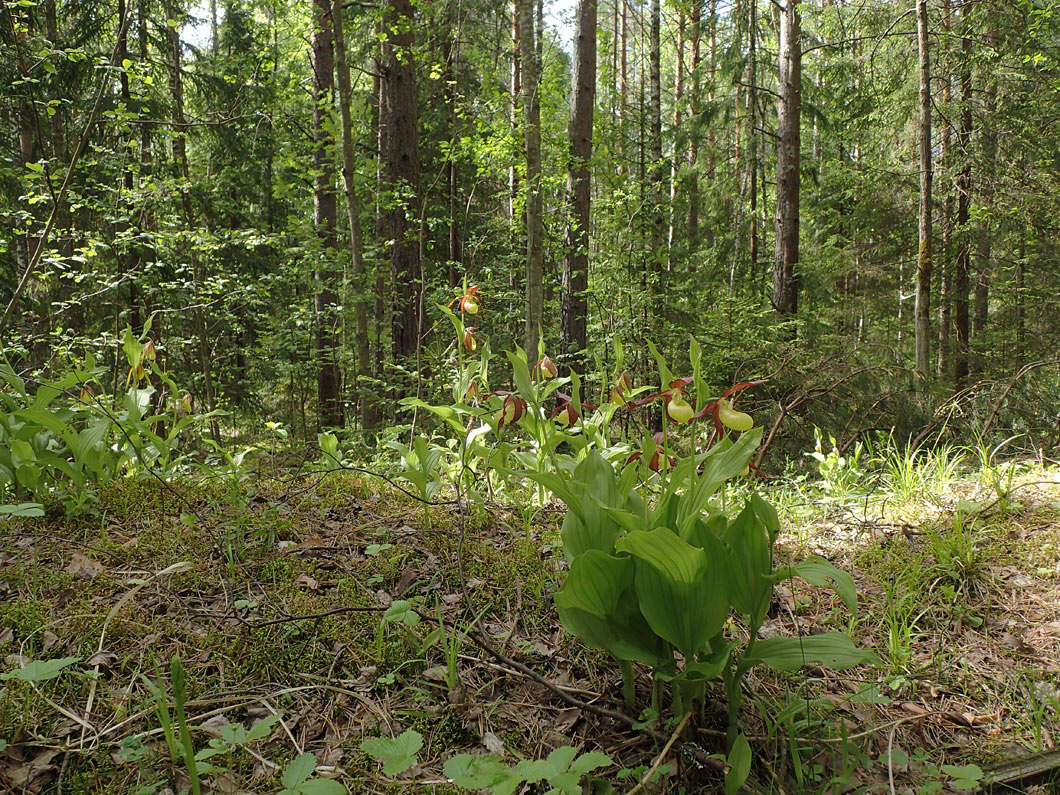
(662, 754)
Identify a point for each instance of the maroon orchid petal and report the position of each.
(741, 386)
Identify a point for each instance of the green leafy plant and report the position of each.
(40, 670)
(652, 578)
(398, 754)
(297, 779)
(563, 769)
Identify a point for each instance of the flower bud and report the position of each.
(546, 369)
(622, 387)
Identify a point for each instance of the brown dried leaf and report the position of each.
(84, 567)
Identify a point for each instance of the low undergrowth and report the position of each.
(304, 617)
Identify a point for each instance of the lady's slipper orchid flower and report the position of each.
(656, 460)
(623, 386)
(470, 301)
(472, 392)
(511, 411)
(546, 369)
(471, 339)
(566, 413)
(678, 409)
(724, 415)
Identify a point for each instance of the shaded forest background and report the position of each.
(289, 202)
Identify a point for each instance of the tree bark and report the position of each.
(325, 302)
(988, 135)
(535, 230)
(961, 276)
(945, 260)
(402, 161)
(922, 311)
(574, 309)
(180, 160)
(361, 291)
(657, 171)
(789, 108)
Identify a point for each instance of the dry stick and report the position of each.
(173, 569)
(1022, 372)
(662, 754)
(42, 241)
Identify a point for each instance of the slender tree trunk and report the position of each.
(961, 276)
(180, 160)
(400, 107)
(516, 93)
(945, 260)
(677, 156)
(452, 171)
(922, 312)
(535, 229)
(657, 171)
(695, 22)
(361, 291)
(128, 258)
(789, 108)
(325, 212)
(574, 308)
(1021, 332)
(988, 134)
(381, 305)
(752, 142)
(623, 86)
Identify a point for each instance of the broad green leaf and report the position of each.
(398, 754)
(596, 605)
(680, 587)
(565, 783)
(47, 419)
(261, 729)
(298, 770)
(559, 759)
(28, 509)
(588, 762)
(818, 571)
(739, 761)
(720, 466)
(966, 777)
(40, 670)
(765, 511)
(750, 564)
(834, 649)
(402, 611)
(475, 772)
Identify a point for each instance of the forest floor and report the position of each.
(272, 595)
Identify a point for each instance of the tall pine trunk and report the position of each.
(180, 160)
(946, 253)
(535, 229)
(922, 311)
(574, 307)
(789, 109)
(962, 265)
(402, 170)
(361, 291)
